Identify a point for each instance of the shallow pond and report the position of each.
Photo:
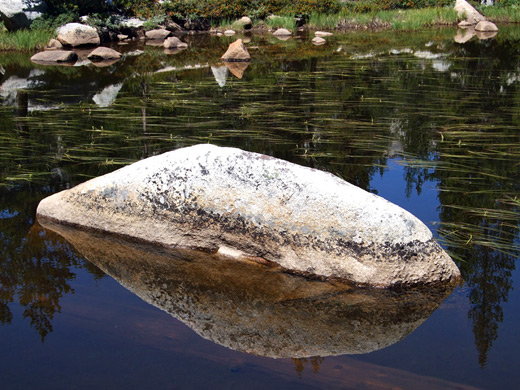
(428, 123)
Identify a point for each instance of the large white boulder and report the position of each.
(77, 34)
(20, 13)
(251, 206)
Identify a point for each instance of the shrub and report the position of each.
(385, 5)
(231, 9)
(76, 6)
(52, 22)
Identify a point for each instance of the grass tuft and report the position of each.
(501, 14)
(25, 40)
(409, 20)
(287, 22)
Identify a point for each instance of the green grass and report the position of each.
(412, 19)
(287, 22)
(25, 40)
(227, 24)
(501, 14)
(324, 21)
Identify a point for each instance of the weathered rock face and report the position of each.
(18, 14)
(254, 206)
(236, 52)
(77, 34)
(246, 307)
(104, 53)
(54, 56)
(466, 11)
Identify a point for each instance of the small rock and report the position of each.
(54, 44)
(486, 26)
(319, 41)
(282, 32)
(76, 34)
(174, 43)
(323, 34)
(122, 37)
(159, 33)
(229, 32)
(245, 22)
(54, 56)
(104, 53)
(236, 52)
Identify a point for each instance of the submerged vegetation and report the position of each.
(445, 114)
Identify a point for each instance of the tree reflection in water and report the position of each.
(457, 129)
(36, 268)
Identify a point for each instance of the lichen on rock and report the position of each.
(304, 220)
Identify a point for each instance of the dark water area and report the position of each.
(428, 123)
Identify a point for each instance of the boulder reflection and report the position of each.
(252, 308)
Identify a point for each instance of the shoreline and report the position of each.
(408, 20)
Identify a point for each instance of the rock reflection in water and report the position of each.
(252, 308)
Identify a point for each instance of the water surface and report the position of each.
(426, 122)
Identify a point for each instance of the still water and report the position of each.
(428, 123)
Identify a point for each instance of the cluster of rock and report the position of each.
(75, 35)
(474, 22)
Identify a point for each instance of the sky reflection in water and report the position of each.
(430, 124)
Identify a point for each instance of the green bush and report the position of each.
(230, 9)
(52, 22)
(77, 6)
(84, 7)
(385, 5)
(507, 3)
